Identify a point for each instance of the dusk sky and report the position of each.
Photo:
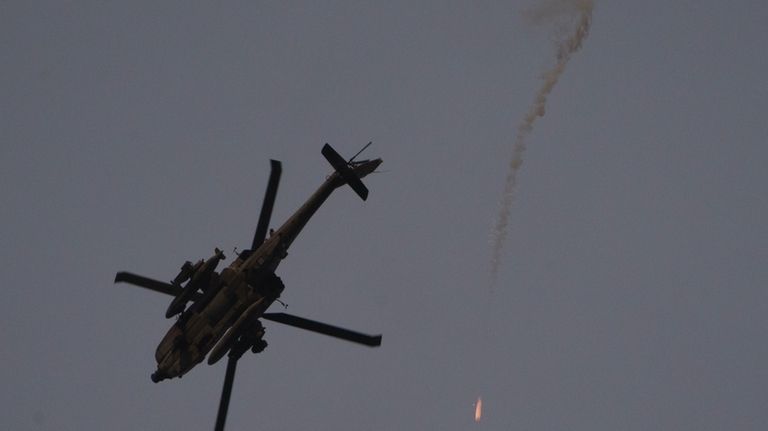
(631, 291)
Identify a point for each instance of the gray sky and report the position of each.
(632, 294)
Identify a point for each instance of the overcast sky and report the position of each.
(631, 294)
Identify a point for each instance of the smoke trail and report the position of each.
(562, 13)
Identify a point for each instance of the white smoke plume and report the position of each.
(571, 20)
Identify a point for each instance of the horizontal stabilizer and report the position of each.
(345, 171)
(324, 328)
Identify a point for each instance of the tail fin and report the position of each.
(342, 167)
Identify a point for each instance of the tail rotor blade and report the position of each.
(266, 206)
(359, 152)
(342, 167)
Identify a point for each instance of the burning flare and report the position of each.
(478, 409)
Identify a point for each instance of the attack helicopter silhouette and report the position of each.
(219, 313)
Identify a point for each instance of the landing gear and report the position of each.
(259, 346)
(252, 339)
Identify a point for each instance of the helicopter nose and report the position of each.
(158, 376)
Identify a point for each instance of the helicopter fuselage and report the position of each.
(242, 291)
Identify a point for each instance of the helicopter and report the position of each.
(219, 313)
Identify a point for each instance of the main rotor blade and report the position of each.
(324, 328)
(147, 283)
(226, 392)
(266, 206)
